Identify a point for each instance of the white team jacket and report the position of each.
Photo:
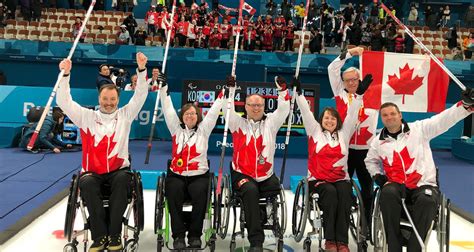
(104, 136)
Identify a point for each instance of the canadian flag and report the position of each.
(414, 82)
(191, 31)
(248, 8)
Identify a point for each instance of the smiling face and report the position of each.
(254, 106)
(108, 99)
(351, 80)
(391, 118)
(329, 121)
(190, 117)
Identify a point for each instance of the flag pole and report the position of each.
(418, 41)
(32, 141)
(293, 97)
(163, 69)
(229, 101)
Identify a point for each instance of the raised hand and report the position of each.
(296, 83)
(65, 65)
(280, 82)
(230, 81)
(468, 97)
(364, 84)
(141, 60)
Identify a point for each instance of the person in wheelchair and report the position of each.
(105, 159)
(328, 147)
(254, 138)
(401, 163)
(188, 172)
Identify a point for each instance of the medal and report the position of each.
(261, 160)
(179, 163)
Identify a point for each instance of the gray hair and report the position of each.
(351, 69)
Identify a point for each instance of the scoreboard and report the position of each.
(204, 92)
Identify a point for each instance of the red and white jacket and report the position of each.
(408, 159)
(327, 153)
(368, 118)
(254, 139)
(104, 136)
(189, 145)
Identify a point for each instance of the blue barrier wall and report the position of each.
(19, 60)
(16, 100)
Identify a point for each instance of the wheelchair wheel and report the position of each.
(70, 247)
(224, 206)
(358, 225)
(72, 203)
(377, 228)
(131, 245)
(281, 213)
(300, 209)
(159, 211)
(216, 207)
(443, 223)
(138, 208)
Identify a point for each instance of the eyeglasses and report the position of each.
(190, 114)
(255, 105)
(352, 80)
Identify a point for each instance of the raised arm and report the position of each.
(64, 100)
(234, 118)
(141, 91)
(278, 117)
(310, 124)
(334, 69)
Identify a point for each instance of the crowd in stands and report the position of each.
(278, 29)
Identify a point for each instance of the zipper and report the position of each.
(402, 161)
(256, 159)
(107, 152)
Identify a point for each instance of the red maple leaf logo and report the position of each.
(247, 155)
(95, 158)
(406, 84)
(362, 135)
(187, 154)
(396, 172)
(321, 164)
(341, 107)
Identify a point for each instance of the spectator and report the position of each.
(133, 83)
(286, 10)
(446, 17)
(124, 5)
(366, 35)
(313, 11)
(3, 15)
(348, 13)
(226, 31)
(468, 46)
(355, 36)
(469, 18)
(428, 17)
(300, 10)
(35, 10)
(131, 24)
(200, 41)
(215, 38)
(289, 36)
(457, 53)
(104, 76)
(182, 31)
(452, 37)
(409, 44)
(76, 27)
(140, 36)
(391, 36)
(267, 38)
(439, 17)
(373, 18)
(25, 9)
(249, 38)
(360, 14)
(123, 37)
(316, 41)
(11, 6)
(153, 81)
(277, 33)
(151, 18)
(377, 42)
(399, 43)
(413, 16)
(271, 8)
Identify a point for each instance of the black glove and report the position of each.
(162, 79)
(468, 97)
(380, 180)
(364, 84)
(230, 81)
(296, 83)
(280, 83)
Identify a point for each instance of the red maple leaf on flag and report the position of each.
(187, 154)
(406, 84)
(321, 164)
(248, 156)
(401, 163)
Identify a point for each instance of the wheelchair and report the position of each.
(306, 208)
(440, 224)
(272, 208)
(75, 203)
(162, 217)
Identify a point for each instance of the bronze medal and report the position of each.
(180, 162)
(261, 160)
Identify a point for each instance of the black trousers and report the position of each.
(356, 162)
(424, 204)
(250, 191)
(177, 190)
(91, 185)
(335, 199)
